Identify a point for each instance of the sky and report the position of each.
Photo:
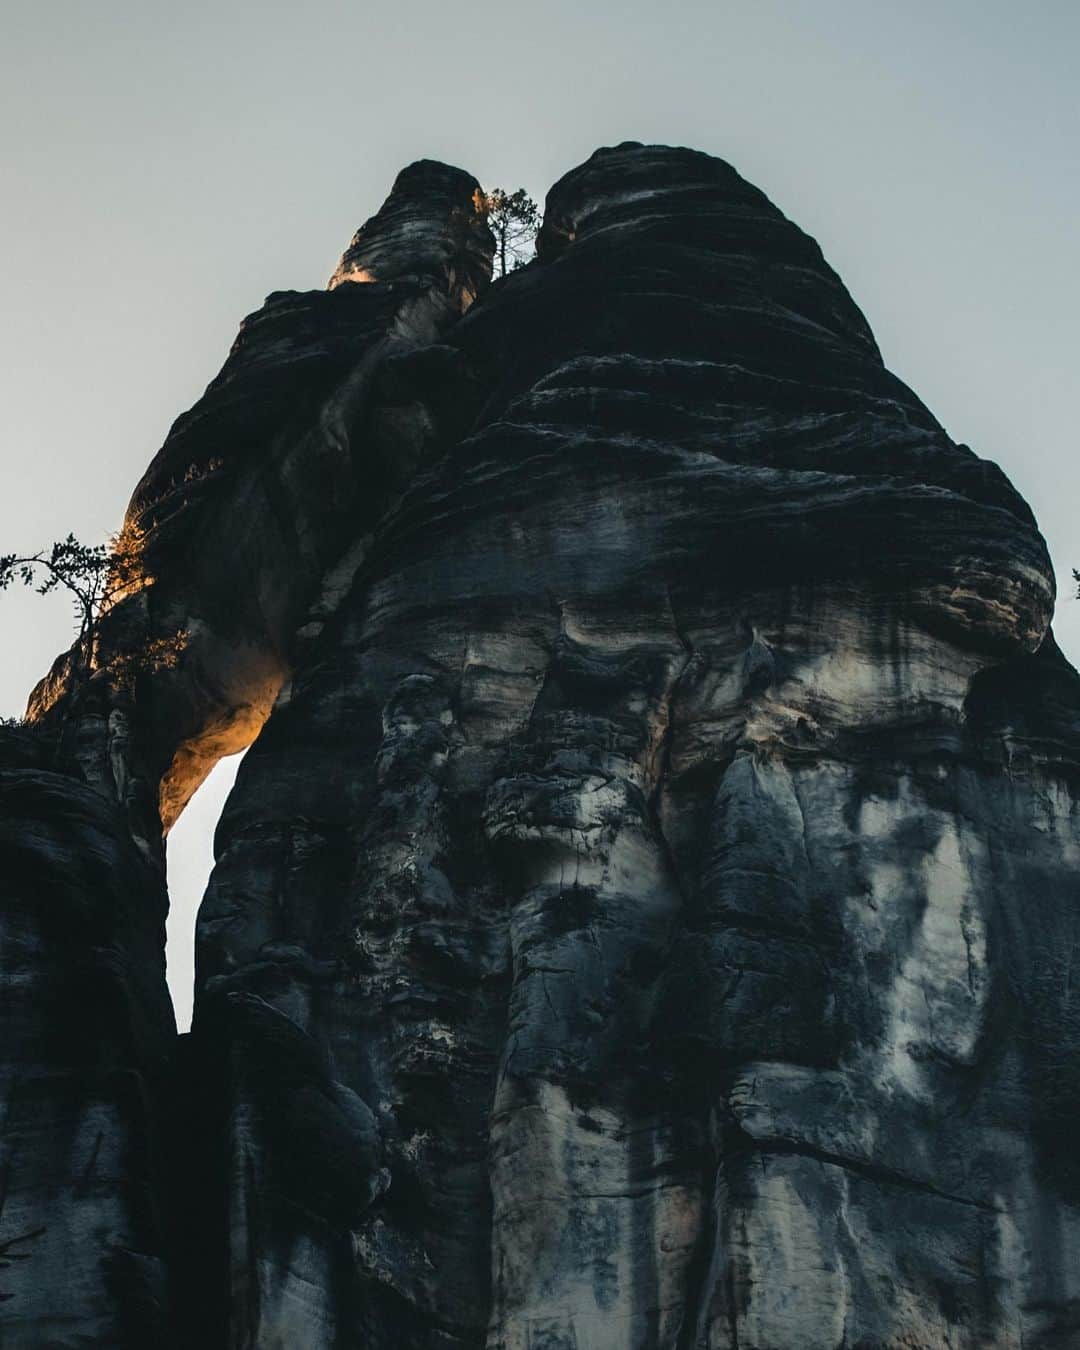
(166, 166)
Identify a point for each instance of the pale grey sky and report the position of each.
(167, 165)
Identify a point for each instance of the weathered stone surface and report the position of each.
(283, 467)
(84, 1059)
(251, 519)
(646, 918)
(427, 227)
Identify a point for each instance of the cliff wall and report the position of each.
(645, 916)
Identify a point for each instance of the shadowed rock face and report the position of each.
(274, 479)
(88, 1035)
(429, 226)
(646, 918)
(251, 518)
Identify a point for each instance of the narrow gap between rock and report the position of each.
(190, 857)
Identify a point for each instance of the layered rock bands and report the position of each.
(645, 918)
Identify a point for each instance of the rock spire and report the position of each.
(644, 917)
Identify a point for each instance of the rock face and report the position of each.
(267, 489)
(84, 1064)
(646, 917)
(250, 521)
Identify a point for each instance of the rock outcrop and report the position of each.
(248, 524)
(88, 1038)
(266, 491)
(646, 916)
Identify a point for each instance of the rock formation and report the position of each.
(645, 919)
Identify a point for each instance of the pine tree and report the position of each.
(514, 220)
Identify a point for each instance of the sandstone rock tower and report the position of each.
(645, 918)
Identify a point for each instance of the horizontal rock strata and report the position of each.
(264, 492)
(646, 917)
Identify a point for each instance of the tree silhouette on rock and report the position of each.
(96, 577)
(514, 220)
